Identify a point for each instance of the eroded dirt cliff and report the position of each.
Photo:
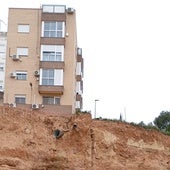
(28, 142)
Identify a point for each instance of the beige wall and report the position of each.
(30, 63)
(70, 61)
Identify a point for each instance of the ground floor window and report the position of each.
(51, 100)
(20, 99)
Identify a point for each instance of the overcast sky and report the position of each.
(126, 50)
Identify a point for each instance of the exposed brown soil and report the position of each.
(27, 142)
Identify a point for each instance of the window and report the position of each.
(1, 67)
(1, 85)
(51, 77)
(23, 28)
(48, 77)
(78, 68)
(53, 29)
(78, 87)
(21, 75)
(22, 51)
(51, 100)
(20, 99)
(54, 8)
(77, 104)
(52, 52)
(48, 9)
(51, 56)
(59, 9)
(2, 48)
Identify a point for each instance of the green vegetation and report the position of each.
(163, 122)
(141, 124)
(160, 123)
(78, 111)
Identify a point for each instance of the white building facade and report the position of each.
(3, 42)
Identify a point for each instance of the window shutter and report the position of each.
(23, 28)
(58, 77)
(22, 51)
(42, 29)
(63, 31)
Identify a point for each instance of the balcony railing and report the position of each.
(47, 89)
(52, 40)
(78, 97)
(52, 64)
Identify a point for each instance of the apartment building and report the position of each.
(3, 40)
(44, 65)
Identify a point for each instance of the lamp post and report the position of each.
(96, 100)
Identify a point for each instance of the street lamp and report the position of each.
(96, 100)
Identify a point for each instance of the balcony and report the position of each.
(78, 97)
(80, 68)
(55, 90)
(53, 16)
(79, 58)
(52, 40)
(52, 64)
(79, 100)
(79, 55)
(78, 78)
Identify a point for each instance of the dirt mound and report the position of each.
(38, 141)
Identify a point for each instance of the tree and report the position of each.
(163, 121)
(141, 124)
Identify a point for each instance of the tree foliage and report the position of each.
(163, 121)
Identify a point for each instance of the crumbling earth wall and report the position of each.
(31, 140)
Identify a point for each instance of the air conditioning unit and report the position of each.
(70, 10)
(13, 74)
(36, 73)
(16, 57)
(12, 105)
(35, 106)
